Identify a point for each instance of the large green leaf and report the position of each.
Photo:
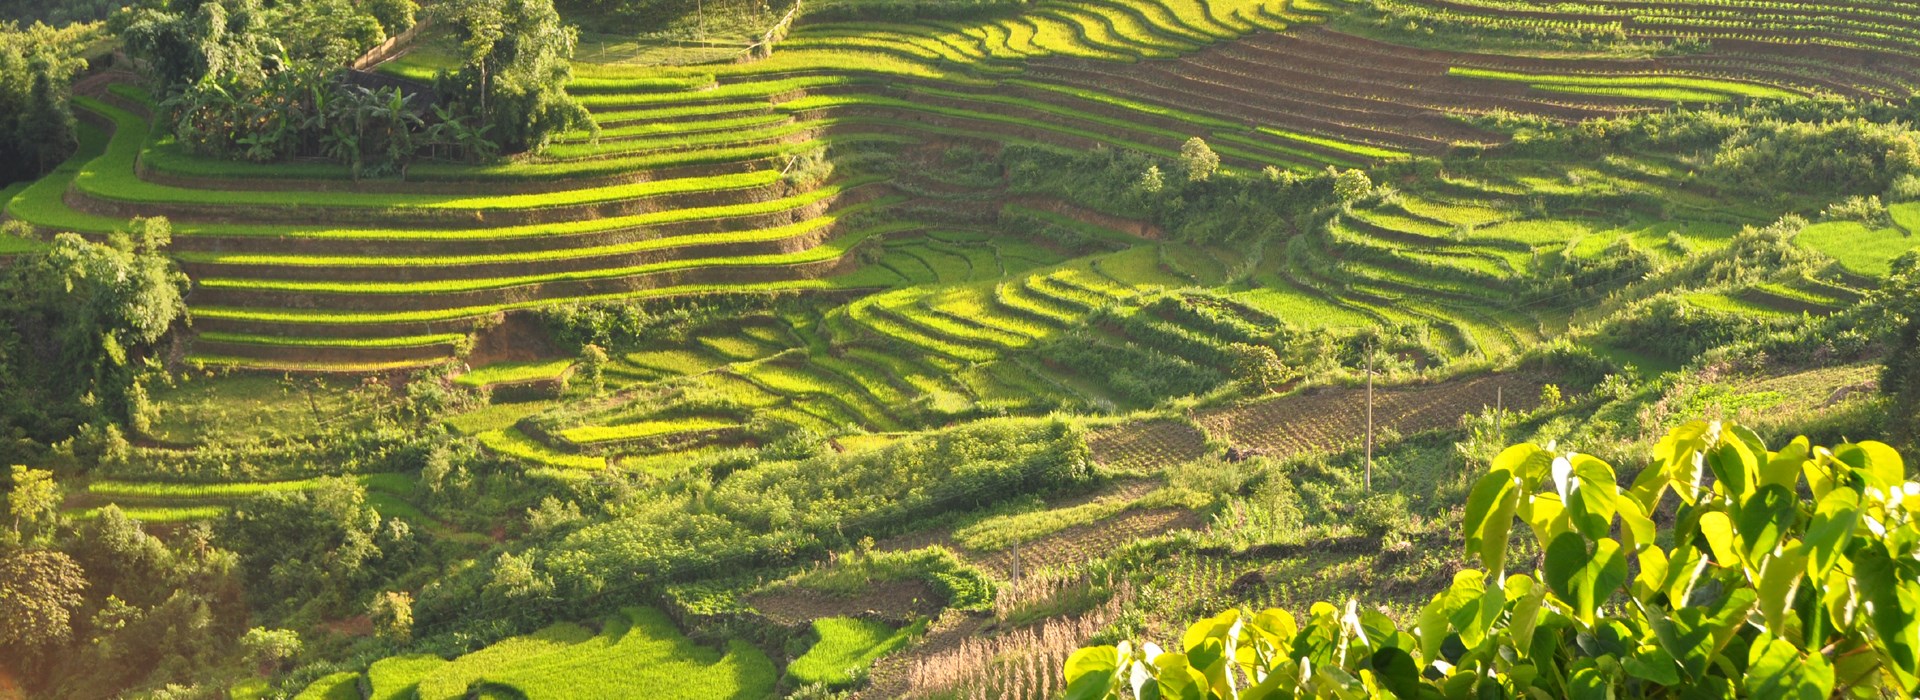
(1735, 469)
(1589, 684)
(1590, 497)
(1092, 673)
(1677, 447)
(1893, 608)
(1601, 577)
(1880, 462)
(1783, 468)
(1779, 576)
(1177, 679)
(1526, 462)
(1397, 671)
(1581, 578)
(1765, 518)
(1566, 557)
(1490, 517)
(1718, 529)
(1526, 614)
(1548, 518)
(1653, 664)
(1475, 614)
(1776, 670)
(1221, 627)
(1636, 527)
(1833, 524)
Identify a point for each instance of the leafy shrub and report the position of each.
(1198, 160)
(1867, 210)
(774, 512)
(1781, 576)
(1905, 188)
(1845, 156)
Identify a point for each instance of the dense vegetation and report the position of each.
(1763, 592)
(37, 66)
(905, 349)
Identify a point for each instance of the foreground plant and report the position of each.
(1786, 574)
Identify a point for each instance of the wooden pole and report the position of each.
(1016, 563)
(1500, 410)
(1369, 417)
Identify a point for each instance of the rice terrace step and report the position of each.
(565, 349)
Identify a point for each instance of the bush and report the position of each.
(1198, 160)
(1782, 579)
(1867, 210)
(1846, 156)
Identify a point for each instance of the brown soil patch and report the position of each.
(1330, 418)
(1082, 543)
(889, 600)
(519, 337)
(1148, 444)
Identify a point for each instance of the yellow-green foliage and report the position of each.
(644, 429)
(640, 648)
(344, 685)
(451, 681)
(398, 677)
(513, 443)
(514, 372)
(846, 648)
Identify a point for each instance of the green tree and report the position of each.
(37, 66)
(1351, 186)
(1199, 160)
(32, 499)
(1259, 366)
(1784, 574)
(323, 546)
(182, 43)
(75, 321)
(516, 65)
(39, 592)
(1151, 182)
(1894, 308)
(392, 615)
(269, 650)
(593, 366)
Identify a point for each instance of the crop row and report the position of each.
(832, 249)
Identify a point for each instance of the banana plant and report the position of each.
(1787, 573)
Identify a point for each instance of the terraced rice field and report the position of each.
(1849, 47)
(638, 648)
(688, 189)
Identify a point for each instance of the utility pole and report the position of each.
(1369, 417)
(1016, 562)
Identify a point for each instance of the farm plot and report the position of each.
(1331, 418)
(1145, 445)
